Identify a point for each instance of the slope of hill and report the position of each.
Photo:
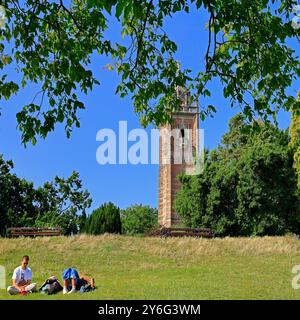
(153, 268)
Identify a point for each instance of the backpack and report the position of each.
(86, 288)
(50, 286)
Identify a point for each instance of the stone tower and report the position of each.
(178, 145)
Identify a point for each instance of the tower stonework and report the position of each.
(184, 121)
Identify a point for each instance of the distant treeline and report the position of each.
(63, 203)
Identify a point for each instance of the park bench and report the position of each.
(186, 232)
(34, 232)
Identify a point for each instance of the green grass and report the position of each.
(153, 268)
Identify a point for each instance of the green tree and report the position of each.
(104, 219)
(138, 219)
(295, 140)
(17, 206)
(247, 187)
(51, 43)
(61, 203)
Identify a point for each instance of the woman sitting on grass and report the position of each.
(72, 282)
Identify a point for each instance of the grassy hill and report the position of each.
(153, 268)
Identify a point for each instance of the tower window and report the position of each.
(182, 133)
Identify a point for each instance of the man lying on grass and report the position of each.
(21, 279)
(73, 282)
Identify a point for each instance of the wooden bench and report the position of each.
(186, 232)
(34, 232)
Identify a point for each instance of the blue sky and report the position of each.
(122, 184)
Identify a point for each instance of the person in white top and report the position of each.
(21, 279)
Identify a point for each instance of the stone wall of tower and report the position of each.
(164, 187)
(168, 182)
(164, 204)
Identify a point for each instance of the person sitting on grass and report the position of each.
(21, 279)
(72, 282)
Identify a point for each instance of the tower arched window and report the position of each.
(182, 133)
(182, 145)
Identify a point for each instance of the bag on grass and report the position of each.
(86, 288)
(50, 286)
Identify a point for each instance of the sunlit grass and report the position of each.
(154, 268)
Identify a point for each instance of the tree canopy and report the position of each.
(138, 219)
(51, 43)
(105, 219)
(61, 203)
(248, 186)
(295, 140)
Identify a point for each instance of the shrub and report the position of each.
(138, 219)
